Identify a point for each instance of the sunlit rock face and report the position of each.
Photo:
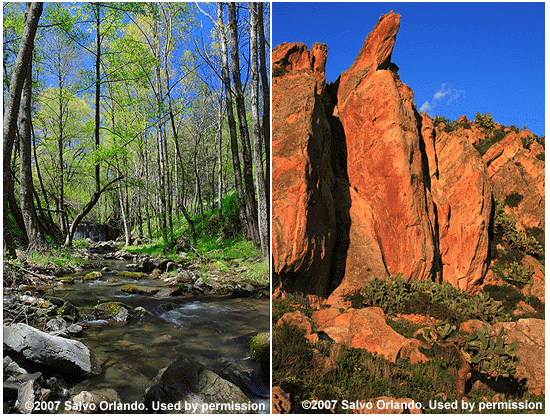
(363, 185)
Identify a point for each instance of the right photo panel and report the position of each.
(408, 208)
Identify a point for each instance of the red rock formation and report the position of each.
(367, 329)
(303, 208)
(364, 186)
(462, 194)
(390, 229)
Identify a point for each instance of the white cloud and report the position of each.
(425, 107)
(452, 94)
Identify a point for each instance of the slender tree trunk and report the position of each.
(33, 13)
(232, 124)
(60, 148)
(251, 209)
(220, 161)
(257, 136)
(37, 242)
(266, 98)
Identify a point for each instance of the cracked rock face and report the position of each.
(363, 185)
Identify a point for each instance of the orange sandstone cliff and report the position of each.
(364, 186)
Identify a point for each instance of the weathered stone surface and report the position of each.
(280, 401)
(530, 335)
(515, 169)
(37, 346)
(391, 230)
(536, 287)
(91, 401)
(367, 329)
(462, 195)
(297, 319)
(303, 207)
(186, 380)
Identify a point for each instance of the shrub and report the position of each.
(485, 120)
(527, 141)
(508, 295)
(517, 274)
(440, 300)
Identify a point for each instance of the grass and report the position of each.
(59, 257)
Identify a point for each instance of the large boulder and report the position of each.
(187, 382)
(530, 334)
(367, 329)
(68, 356)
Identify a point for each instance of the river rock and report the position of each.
(91, 401)
(68, 356)
(10, 367)
(186, 380)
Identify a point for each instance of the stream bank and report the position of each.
(180, 309)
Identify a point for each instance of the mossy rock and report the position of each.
(111, 308)
(92, 275)
(259, 348)
(66, 279)
(130, 274)
(130, 288)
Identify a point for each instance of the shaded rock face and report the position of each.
(363, 186)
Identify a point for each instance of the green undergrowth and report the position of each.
(439, 300)
(356, 374)
(57, 257)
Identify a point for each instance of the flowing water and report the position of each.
(212, 330)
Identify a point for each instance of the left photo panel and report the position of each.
(136, 217)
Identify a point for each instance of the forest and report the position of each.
(151, 118)
(136, 205)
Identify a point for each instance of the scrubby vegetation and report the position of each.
(355, 374)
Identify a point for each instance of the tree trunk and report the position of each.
(266, 125)
(251, 210)
(257, 136)
(33, 13)
(220, 155)
(232, 125)
(37, 242)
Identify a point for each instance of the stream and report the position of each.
(214, 330)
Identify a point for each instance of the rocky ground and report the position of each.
(42, 361)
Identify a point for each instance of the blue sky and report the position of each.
(459, 58)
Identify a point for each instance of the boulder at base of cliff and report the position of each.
(367, 329)
(187, 382)
(529, 333)
(68, 356)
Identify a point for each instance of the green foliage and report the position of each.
(81, 243)
(517, 274)
(490, 354)
(111, 308)
(130, 274)
(291, 303)
(291, 351)
(260, 348)
(485, 120)
(440, 300)
(527, 141)
(513, 199)
(441, 119)
(505, 225)
(439, 332)
(508, 295)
